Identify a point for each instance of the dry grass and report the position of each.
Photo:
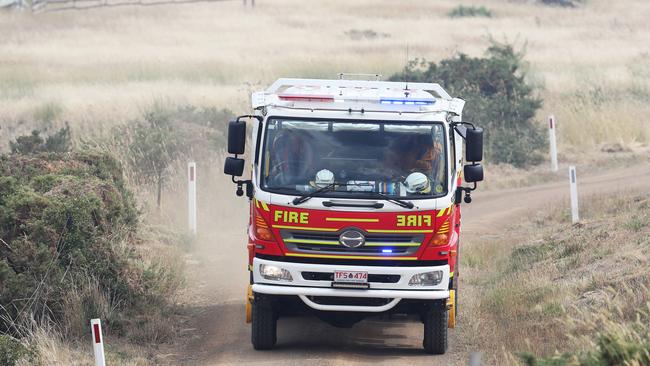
(546, 286)
(606, 156)
(100, 67)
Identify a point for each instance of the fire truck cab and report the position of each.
(355, 190)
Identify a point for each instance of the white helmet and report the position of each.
(417, 183)
(324, 178)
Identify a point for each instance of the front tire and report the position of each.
(265, 320)
(435, 329)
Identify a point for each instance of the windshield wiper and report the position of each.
(298, 200)
(397, 201)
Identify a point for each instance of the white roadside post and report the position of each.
(98, 342)
(475, 359)
(552, 142)
(191, 196)
(573, 183)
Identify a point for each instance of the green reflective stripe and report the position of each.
(331, 242)
(307, 241)
(392, 244)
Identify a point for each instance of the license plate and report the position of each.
(351, 276)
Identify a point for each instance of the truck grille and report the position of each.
(329, 276)
(328, 243)
(352, 301)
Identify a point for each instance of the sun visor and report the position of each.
(301, 125)
(407, 129)
(355, 127)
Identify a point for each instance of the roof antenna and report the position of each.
(406, 64)
(407, 53)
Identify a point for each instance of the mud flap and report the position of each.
(249, 302)
(451, 323)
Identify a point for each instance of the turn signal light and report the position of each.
(439, 240)
(261, 228)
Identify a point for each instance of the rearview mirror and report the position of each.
(473, 173)
(236, 137)
(234, 166)
(474, 144)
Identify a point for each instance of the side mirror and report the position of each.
(473, 173)
(234, 166)
(474, 145)
(236, 137)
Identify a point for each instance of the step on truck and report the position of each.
(355, 190)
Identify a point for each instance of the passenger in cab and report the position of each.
(291, 158)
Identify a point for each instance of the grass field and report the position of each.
(546, 286)
(97, 68)
(100, 68)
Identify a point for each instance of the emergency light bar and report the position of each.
(336, 85)
(364, 95)
(406, 101)
(306, 98)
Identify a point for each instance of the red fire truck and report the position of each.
(355, 193)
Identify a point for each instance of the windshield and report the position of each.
(355, 157)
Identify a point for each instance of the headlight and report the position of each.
(432, 278)
(275, 273)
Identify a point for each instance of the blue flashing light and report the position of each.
(406, 101)
(386, 250)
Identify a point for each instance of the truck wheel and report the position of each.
(435, 330)
(264, 327)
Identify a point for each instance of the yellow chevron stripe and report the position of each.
(350, 257)
(264, 206)
(257, 203)
(344, 219)
(445, 211)
(304, 228)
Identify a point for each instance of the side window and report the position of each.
(439, 159)
(452, 152)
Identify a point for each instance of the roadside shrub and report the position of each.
(165, 136)
(69, 230)
(617, 345)
(12, 351)
(470, 11)
(562, 3)
(498, 99)
(60, 141)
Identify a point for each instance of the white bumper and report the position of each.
(394, 291)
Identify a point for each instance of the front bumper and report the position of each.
(307, 289)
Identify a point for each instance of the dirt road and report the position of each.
(221, 336)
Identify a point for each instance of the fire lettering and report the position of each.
(413, 220)
(291, 217)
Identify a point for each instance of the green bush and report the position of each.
(622, 346)
(165, 136)
(68, 225)
(13, 351)
(498, 99)
(470, 11)
(60, 141)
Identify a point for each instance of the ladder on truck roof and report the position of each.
(285, 83)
